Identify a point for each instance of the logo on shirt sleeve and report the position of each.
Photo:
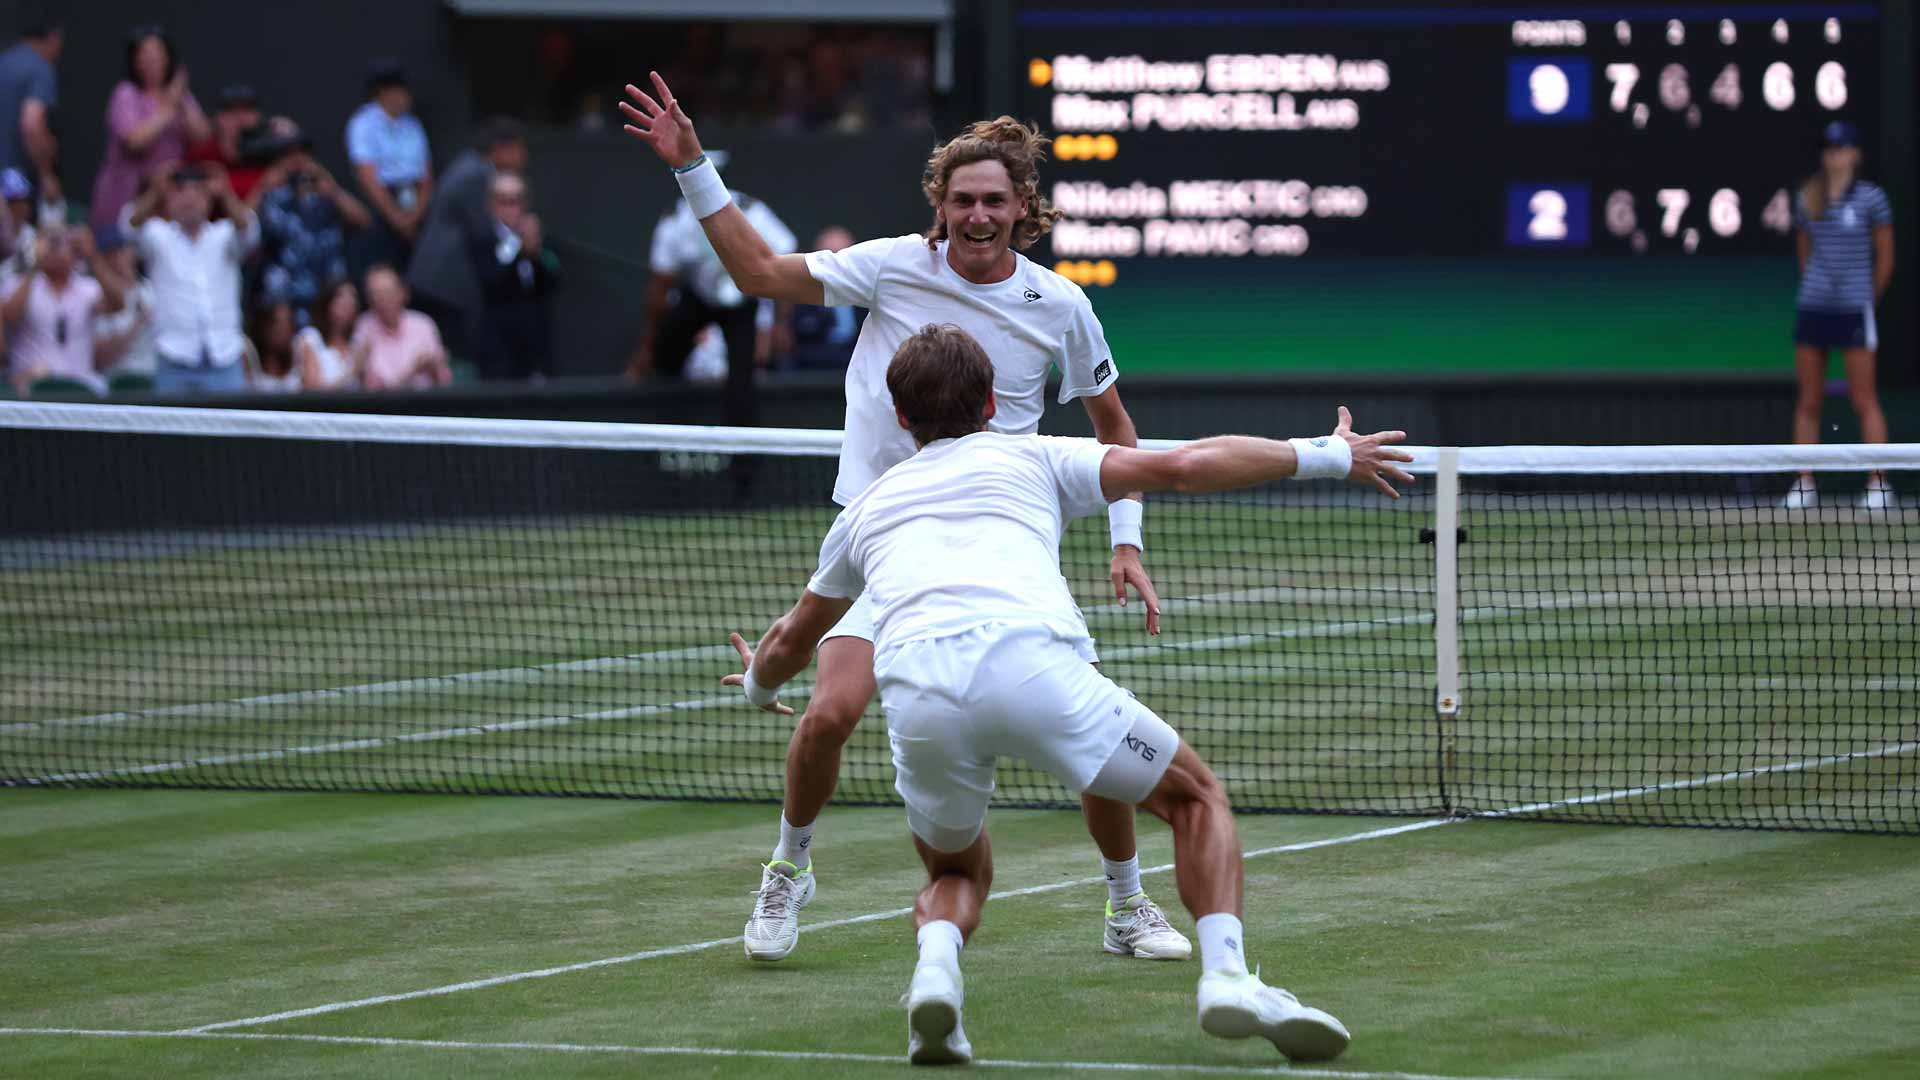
(1029, 296)
(1103, 372)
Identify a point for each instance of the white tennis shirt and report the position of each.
(964, 533)
(1033, 320)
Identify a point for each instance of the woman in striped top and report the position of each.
(1844, 241)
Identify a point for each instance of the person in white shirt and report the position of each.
(194, 265)
(978, 655)
(984, 189)
(683, 258)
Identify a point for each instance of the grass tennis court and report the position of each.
(1492, 949)
(1662, 659)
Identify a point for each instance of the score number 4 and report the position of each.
(1776, 87)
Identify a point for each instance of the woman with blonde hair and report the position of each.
(1844, 243)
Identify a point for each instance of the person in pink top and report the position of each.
(402, 347)
(50, 312)
(151, 120)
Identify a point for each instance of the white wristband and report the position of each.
(1123, 522)
(758, 695)
(1327, 457)
(706, 195)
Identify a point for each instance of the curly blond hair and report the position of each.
(1019, 148)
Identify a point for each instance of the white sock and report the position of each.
(1123, 880)
(794, 842)
(1220, 949)
(940, 943)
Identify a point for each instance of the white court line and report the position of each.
(729, 1052)
(530, 672)
(375, 743)
(1305, 845)
(701, 946)
(1707, 781)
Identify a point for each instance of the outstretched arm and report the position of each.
(786, 648)
(749, 261)
(1112, 425)
(1225, 462)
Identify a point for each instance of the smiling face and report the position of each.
(980, 211)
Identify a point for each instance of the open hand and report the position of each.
(740, 679)
(1373, 459)
(660, 124)
(1126, 570)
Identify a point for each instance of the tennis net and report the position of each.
(215, 598)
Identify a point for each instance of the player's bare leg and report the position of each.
(841, 693)
(1134, 925)
(1873, 421)
(945, 915)
(1206, 856)
(1810, 371)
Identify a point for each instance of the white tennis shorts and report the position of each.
(954, 704)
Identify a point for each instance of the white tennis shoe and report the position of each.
(774, 928)
(1878, 496)
(1241, 1006)
(1141, 929)
(934, 1034)
(1801, 496)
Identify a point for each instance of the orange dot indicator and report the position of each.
(1104, 272)
(1105, 147)
(1039, 72)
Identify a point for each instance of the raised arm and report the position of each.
(787, 647)
(1226, 462)
(753, 265)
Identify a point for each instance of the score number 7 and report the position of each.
(1624, 77)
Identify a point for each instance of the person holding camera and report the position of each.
(51, 311)
(194, 264)
(304, 216)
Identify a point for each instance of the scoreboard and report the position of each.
(1220, 152)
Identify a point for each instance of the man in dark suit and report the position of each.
(444, 283)
(516, 274)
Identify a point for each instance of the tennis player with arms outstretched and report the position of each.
(979, 653)
(984, 187)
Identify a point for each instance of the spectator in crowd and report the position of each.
(194, 264)
(20, 229)
(682, 258)
(274, 370)
(304, 217)
(123, 339)
(151, 118)
(50, 312)
(517, 274)
(823, 337)
(236, 125)
(445, 284)
(402, 347)
(324, 349)
(28, 95)
(391, 159)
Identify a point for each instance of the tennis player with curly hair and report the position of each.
(966, 270)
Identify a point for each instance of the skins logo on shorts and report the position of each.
(1140, 746)
(1101, 373)
(1029, 296)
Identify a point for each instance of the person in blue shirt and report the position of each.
(388, 148)
(28, 94)
(1844, 243)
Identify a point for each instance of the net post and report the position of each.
(1446, 611)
